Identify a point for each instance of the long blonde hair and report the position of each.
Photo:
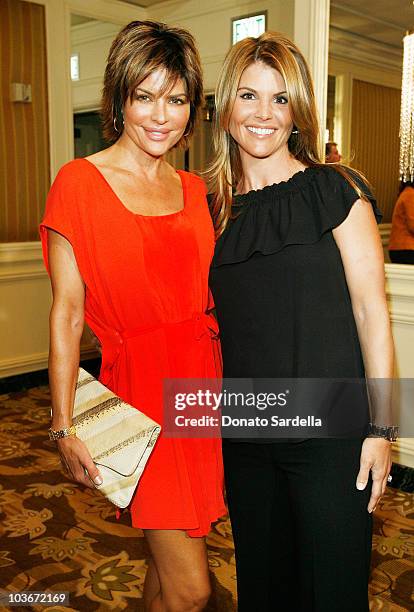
(225, 173)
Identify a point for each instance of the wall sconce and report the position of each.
(20, 92)
(407, 111)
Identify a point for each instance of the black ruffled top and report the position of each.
(278, 282)
(298, 211)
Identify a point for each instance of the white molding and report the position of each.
(59, 84)
(311, 34)
(366, 16)
(401, 318)
(107, 10)
(89, 106)
(400, 293)
(37, 361)
(403, 452)
(20, 251)
(376, 75)
(22, 272)
(88, 82)
(352, 47)
(87, 94)
(93, 31)
(182, 11)
(21, 261)
(400, 272)
(26, 363)
(21, 275)
(319, 53)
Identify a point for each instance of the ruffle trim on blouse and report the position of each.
(298, 211)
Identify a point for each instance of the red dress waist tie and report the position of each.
(112, 340)
(204, 326)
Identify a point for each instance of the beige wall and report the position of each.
(25, 299)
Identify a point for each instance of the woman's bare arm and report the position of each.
(362, 256)
(361, 251)
(66, 326)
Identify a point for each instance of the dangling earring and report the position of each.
(123, 123)
(295, 130)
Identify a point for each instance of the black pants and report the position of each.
(301, 529)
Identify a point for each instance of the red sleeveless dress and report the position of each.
(147, 301)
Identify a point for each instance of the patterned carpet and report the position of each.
(59, 537)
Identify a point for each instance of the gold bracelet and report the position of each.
(62, 433)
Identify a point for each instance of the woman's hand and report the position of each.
(375, 456)
(77, 460)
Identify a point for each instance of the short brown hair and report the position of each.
(139, 49)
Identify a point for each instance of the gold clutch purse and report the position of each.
(119, 437)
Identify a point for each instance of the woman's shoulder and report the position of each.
(194, 180)
(79, 165)
(72, 174)
(298, 211)
(71, 189)
(320, 185)
(342, 176)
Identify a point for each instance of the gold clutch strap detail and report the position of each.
(100, 409)
(127, 442)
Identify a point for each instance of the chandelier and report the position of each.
(407, 112)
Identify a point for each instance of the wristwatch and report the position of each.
(389, 432)
(62, 433)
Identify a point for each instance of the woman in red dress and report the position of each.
(129, 251)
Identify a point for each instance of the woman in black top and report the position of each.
(298, 283)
